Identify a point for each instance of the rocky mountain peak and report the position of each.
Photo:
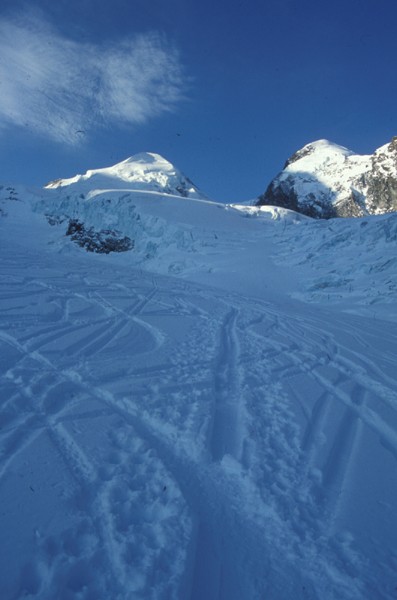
(325, 180)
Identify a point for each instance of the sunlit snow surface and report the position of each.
(144, 171)
(209, 416)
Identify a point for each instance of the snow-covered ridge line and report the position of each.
(321, 180)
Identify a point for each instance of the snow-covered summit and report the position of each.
(317, 152)
(324, 180)
(145, 171)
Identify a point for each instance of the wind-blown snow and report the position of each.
(211, 415)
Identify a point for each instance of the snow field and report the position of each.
(201, 434)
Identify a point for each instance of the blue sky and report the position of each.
(226, 90)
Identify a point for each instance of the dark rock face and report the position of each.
(352, 206)
(299, 154)
(382, 181)
(323, 180)
(280, 194)
(284, 195)
(103, 241)
(184, 187)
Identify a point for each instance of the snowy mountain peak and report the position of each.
(319, 151)
(142, 162)
(147, 157)
(145, 171)
(327, 145)
(324, 180)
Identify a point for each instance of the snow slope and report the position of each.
(211, 415)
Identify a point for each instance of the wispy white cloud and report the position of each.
(60, 87)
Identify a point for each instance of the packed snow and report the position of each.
(209, 415)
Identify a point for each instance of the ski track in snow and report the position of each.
(226, 438)
(205, 442)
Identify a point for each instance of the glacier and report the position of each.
(208, 415)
